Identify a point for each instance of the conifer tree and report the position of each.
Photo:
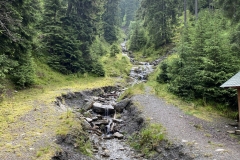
(18, 32)
(69, 30)
(159, 19)
(110, 20)
(205, 61)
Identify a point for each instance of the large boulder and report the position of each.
(120, 106)
(102, 109)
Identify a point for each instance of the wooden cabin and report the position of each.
(234, 82)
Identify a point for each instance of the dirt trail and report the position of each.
(201, 139)
(32, 136)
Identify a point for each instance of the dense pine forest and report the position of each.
(71, 36)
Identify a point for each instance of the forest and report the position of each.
(61, 58)
(70, 36)
(205, 34)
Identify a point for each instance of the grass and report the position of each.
(136, 89)
(16, 104)
(69, 124)
(118, 66)
(148, 139)
(43, 151)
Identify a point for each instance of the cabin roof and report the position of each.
(233, 82)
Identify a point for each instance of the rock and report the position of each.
(99, 116)
(95, 98)
(121, 149)
(97, 105)
(86, 100)
(94, 118)
(120, 106)
(158, 149)
(233, 124)
(87, 114)
(231, 132)
(96, 127)
(88, 105)
(104, 148)
(98, 132)
(117, 120)
(118, 135)
(86, 125)
(106, 153)
(237, 132)
(99, 108)
(108, 137)
(100, 122)
(89, 120)
(220, 150)
(113, 103)
(102, 99)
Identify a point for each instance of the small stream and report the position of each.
(140, 70)
(108, 122)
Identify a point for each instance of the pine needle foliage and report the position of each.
(205, 61)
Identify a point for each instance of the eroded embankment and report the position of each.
(106, 125)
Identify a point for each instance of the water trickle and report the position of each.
(106, 113)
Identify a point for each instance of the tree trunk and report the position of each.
(238, 90)
(185, 13)
(196, 9)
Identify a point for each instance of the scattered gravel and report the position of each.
(201, 139)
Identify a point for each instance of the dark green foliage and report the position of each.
(163, 76)
(110, 33)
(17, 39)
(138, 39)
(202, 4)
(69, 33)
(231, 9)
(205, 61)
(159, 20)
(97, 69)
(111, 20)
(128, 11)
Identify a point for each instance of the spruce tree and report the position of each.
(110, 20)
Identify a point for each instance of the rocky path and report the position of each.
(201, 139)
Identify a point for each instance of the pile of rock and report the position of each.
(98, 110)
(100, 117)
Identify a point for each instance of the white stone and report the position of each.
(220, 150)
(89, 119)
(96, 104)
(118, 135)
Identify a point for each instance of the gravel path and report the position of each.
(201, 139)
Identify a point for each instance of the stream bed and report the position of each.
(109, 123)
